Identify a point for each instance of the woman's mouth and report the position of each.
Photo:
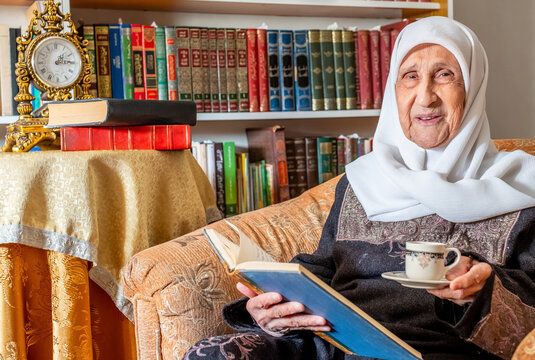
(428, 119)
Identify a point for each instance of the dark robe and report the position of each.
(353, 253)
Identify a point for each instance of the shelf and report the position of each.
(286, 115)
(308, 8)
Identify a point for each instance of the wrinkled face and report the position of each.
(430, 95)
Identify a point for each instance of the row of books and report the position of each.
(275, 168)
(227, 70)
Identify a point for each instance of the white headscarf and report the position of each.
(463, 181)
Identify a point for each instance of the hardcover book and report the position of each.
(384, 55)
(172, 65)
(328, 70)
(303, 96)
(242, 70)
(348, 48)
(205, 61)
(339, 77)
(352, 330)
(126, 61)
(137, 62)
(232, 85)
(252, 64)
(214, 73)
(219, 178)
(222, 69)
(196, 68)
(231, 191)
(326, 167)
(286, 64)
(184, 64)
(102, 45)
(300, 165)
(149, 62)
(161, 63)
(149, 137)
(263, 84)
(291, 165)
(376, 69)
(316, 77)
(89, 35)
(311, 158)
(365, 69)
(273, 70)
(117, 112)
(115, 58)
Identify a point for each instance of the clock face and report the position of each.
(57, 62)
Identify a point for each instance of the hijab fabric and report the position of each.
(464, 180)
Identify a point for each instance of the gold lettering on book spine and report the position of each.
(242, 77)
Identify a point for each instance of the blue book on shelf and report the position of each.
(286, 70)
(273, 70)
(352, 330)
(117, 87)
(303, 96)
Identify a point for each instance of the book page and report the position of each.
(248, 250)
(225, 249)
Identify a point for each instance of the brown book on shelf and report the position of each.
(268, 144)
(222, 69)
(149, 63)
(214, 76)
(185, 92)
(205, 61)
(291, 166)
(242, 70)
(196, 68)
(232, 85)
(300, 165)
(311, 158)
(88, 32)
(102, 45)
(376, 69)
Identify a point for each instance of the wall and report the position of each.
(507, 31)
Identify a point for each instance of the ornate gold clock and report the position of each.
(57, 63)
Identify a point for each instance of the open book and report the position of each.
(352, 330)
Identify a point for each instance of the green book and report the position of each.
(339, 76)
(126, 52)
(348, 46)
(328, 70)
(161, 63)
(316, 77)
(325, 158)
(229, 166)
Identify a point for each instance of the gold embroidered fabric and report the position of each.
(102, 206)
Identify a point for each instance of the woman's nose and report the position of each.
(426, 93)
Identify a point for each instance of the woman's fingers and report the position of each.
(245, 290)
(461, 268)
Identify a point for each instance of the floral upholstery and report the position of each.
(179, 288)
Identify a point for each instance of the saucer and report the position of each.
(402, 278)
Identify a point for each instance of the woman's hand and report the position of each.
(467, 278)
(278, 318)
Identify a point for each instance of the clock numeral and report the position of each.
(50, 77)
(71, 71)
(43, 70)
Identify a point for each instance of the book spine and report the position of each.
(357, 74)
(365, 69)
(116, 65)
(311, 158)
(149, 63)
(263, 77)
(264, 181)
(89, 35)
(126, 59)
(242, 70)
(300, 165)
(214, 77)
(376, 69)
(328, 70)
(339, 77)
(222, 69)
(157, 137)
(14, 33)
(316, 77)
(219, 177)
(232, 85)
(384, 53)
(348, 48)
(161, 64)
(184, 64)
(205, 61)
(334, 157)
(354, 148)
(291, 165)
(229, 162)
(341, 155)
(324, 153)
(252, 64)
(171, 52)
(210, 164)
(137, 62)
(286, 70)
(303, 96)
(282, 187)
(273, 70)
(196, 69)
(102, 45)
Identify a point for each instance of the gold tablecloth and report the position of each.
(89, 210)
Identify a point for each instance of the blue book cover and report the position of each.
(303, 96)
(116, 66)
(352, 329)
(286, 70)
(273, 70)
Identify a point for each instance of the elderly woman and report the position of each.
(434, 175)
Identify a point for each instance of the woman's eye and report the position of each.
(411, 76)
(444, 74)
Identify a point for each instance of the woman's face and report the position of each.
(430, 95)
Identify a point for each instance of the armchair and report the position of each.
(178, 288)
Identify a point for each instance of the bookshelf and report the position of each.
(276, 14)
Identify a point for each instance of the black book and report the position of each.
(121, 112)
(219, 178)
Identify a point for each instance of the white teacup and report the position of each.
(425, 260)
